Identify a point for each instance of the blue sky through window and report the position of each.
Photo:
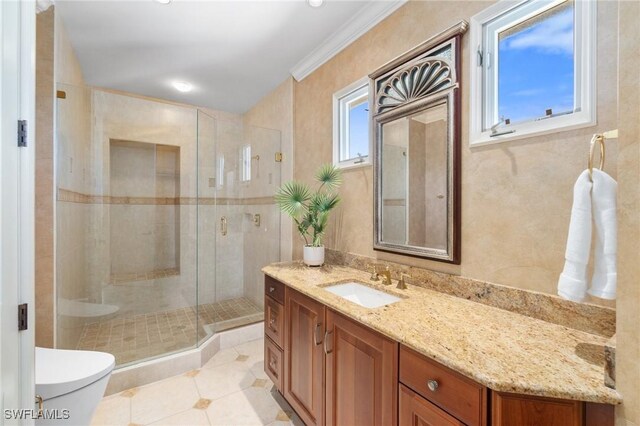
(536, 66)
(359, 130)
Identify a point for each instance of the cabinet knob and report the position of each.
(272, 289)
(432, 385)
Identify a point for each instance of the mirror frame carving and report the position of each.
(398, 89)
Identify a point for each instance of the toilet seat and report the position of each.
(60, 371)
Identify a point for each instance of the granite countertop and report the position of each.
(502, 350)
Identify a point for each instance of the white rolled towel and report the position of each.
(604, 198)
(572, 283)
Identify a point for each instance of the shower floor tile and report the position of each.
(135, 337)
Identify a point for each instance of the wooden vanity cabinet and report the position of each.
(361, 374)
(418, 411)
(460, 397)
(524, 410)
(335, 371)
(304, 356)
(274, 331)
(512, 409)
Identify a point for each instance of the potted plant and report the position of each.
(310, 210)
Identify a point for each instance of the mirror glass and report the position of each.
(415, 123)
(414, 181)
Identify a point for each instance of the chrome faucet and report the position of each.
(386, 274)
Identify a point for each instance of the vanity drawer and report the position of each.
(458, 395)
(274, 320)
(273, 363)
(274, 288)
(415, 410)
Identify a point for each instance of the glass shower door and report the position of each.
(239, 227)
(126, 230)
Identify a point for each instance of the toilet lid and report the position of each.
(60, 371)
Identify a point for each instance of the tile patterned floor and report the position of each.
(132, 338)
(231, 389)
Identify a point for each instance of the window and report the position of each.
(351, 145)
(245, 163)
(533, 69)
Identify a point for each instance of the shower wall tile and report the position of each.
(276, 111)
(229, 254)
(261, 247)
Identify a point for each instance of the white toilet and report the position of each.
(73, 381)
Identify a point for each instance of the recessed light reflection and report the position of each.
(182, 86)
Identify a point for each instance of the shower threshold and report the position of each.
(133, 338)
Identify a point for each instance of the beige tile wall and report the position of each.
(275, 111)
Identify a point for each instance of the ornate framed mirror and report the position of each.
(415, 125)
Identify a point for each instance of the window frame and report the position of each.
(342, 99)
(484, 28)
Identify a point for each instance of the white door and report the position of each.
(17, 98)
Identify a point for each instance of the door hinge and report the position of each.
(480, 56)
(278, 157)
(22, 133)
(23, 314)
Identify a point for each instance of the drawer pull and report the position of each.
(432, 385)
(272, 289)
(316, 339)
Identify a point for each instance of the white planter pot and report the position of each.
(313, 256)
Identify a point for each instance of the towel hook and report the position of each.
(596, 139)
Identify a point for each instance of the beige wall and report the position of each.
(522, 189)
(44, 178)
(628, 314)
(516, 196)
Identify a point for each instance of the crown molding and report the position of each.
(355, 27)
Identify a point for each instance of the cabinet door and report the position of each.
(417, 411)
(304, 356)
(361, 374)
(523, 410)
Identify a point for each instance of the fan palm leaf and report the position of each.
(330, 176)
(292, 196)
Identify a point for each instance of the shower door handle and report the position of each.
(223, 225)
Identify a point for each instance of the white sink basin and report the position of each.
(362, 295)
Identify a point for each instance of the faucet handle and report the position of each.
(374, 272)
(402, 283)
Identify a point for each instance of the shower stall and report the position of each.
(164, 217)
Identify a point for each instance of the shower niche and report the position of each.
(144, 181)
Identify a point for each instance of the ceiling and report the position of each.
(232, 52)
